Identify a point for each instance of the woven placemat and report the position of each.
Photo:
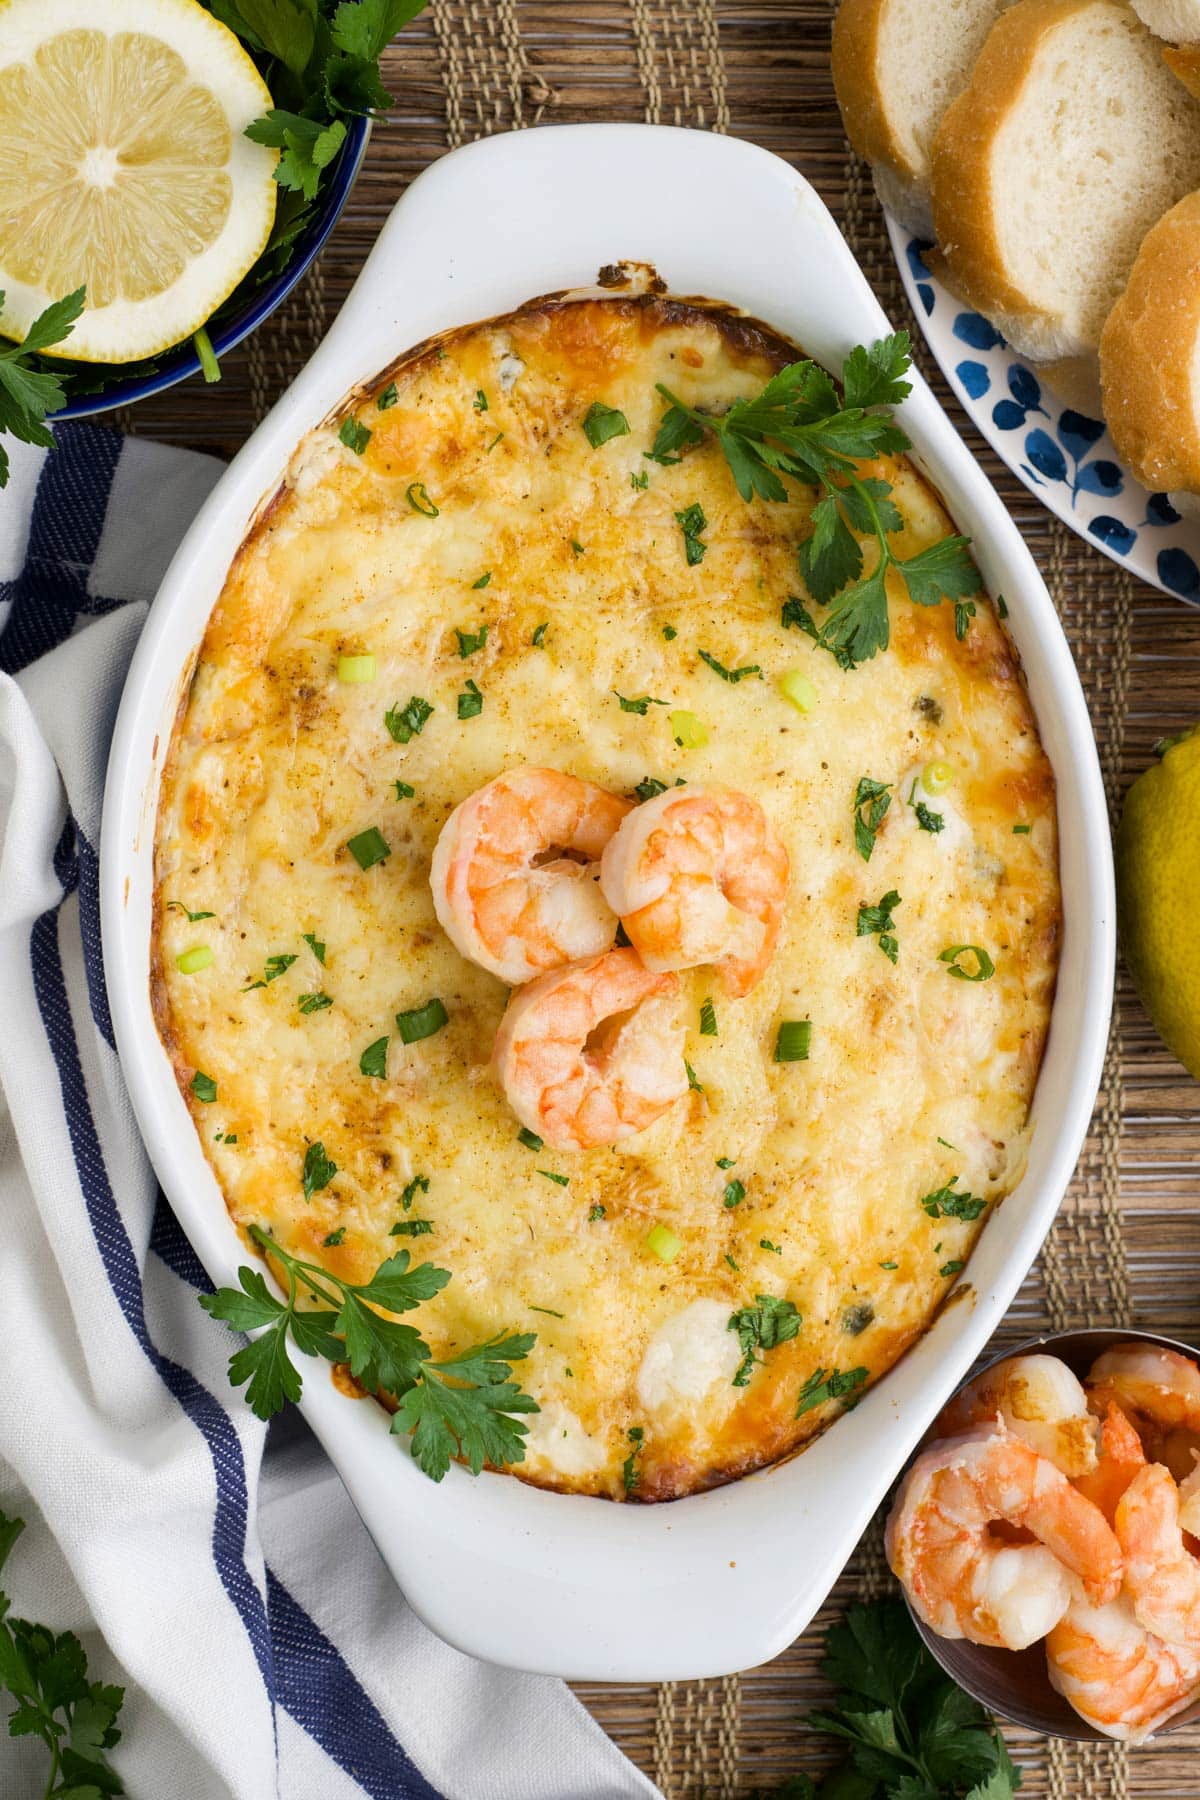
(1126, 1246)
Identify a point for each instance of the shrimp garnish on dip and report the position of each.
(515, 873)
(592, 1053)
(697, 875)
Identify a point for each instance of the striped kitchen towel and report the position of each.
(215, 1568)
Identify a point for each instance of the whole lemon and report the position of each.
(1158, 882)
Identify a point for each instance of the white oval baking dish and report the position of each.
(564, 1584)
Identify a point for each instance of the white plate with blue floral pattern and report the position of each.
(1064, 457)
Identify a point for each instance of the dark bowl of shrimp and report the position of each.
(1047, 1535)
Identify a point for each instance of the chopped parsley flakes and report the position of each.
(945, 1203)
(692, 522)
(871, 801)
(407, 722)
(877, 921)
(761, 1327)
(824, 1385)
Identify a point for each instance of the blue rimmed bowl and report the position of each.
(1064, 457)
(256, 305)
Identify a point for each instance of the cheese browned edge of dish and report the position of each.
(684, 1450)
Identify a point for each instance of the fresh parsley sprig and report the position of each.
(466, 1406)
(797, 427)
(29, 393)
(911, 1733)
(46, 1673)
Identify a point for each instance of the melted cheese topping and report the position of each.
(573, 558)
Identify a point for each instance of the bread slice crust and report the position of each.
(1148, 356)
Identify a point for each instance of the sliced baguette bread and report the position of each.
(897, 64)
(1184, 61)
(1070, 140)
(1150, 358)
(1176, 20)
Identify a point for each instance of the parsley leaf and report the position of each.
(910, 1732)
(692, 522)
(28, 395)
(730, 675)
(47, 1675)
(318, 1170)
(641, 705)
(944, 1203)
(797, 428)
(466, 1406)
(761, 1327)
(878, 921)
(407, 722)
(871, 801)
(603, 422)
(828, 1384)
(476, 1421)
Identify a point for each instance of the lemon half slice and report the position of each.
(123, 165)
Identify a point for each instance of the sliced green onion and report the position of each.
(190, 962)
(663, 1242)
(795, 686)
(210, 368)
(985, 968)
(417, 495)
(204, 1087)
(708, 1019)
(369, 847)
(530, 1139)
(421, 1021)
(793, 1040)
(936, 777)
(688, 731)
(602, 422)
(1022, 830)
(558, 1180)
(354, 670)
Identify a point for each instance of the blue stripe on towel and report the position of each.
(120, 1263)
(321, 1694)
(64, 535)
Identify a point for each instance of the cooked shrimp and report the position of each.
(516, 872)
(591, 1053)
(1117, 1675)
(1039, 1400)
(1121, 1456)
(1161, 1574)
(965, 1581)
(697, 875)
(1159, 1390)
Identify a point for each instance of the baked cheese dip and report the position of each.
(552, 886)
